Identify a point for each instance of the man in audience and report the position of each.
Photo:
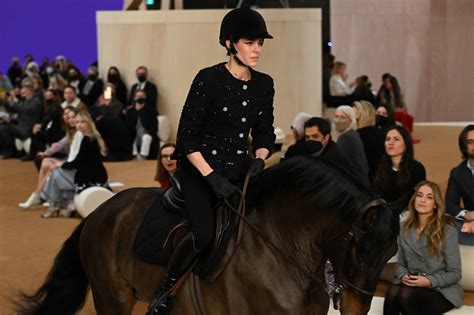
(143, 84)
(93, 87)
(29, 113)
(461, 187)
(15, 72)
(71, 99)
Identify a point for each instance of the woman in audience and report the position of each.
(362, 91)
(349, 142)
(81, 170)
(338, 85)
(53, 157)
(71, 99)
(384, 117)
(372, 137)
(57, 82)
(166, 166)
(114, 77)
(429, 262)
(143, 125)
(75, 79)
(398, 172)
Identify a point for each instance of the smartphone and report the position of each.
(108, 93)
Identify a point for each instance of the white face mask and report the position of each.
(340, 124)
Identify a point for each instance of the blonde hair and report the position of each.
(434, 229)
(93, 133)
(337, 65)
(366, 112)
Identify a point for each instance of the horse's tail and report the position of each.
(65, 288)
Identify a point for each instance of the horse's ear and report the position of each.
(370, 217)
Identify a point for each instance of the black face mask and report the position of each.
(92, 77)
(141, 78)
(381, 120)
(49, 101)
(141, 101)
(112, 78)
(74, 77)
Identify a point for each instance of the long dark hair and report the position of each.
(397, 100)
(382, 177)
(161, 173)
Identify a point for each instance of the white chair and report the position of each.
(467, 259)
(90, 198)
(21, 145)
(164, 129)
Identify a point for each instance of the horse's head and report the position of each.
(371, 243)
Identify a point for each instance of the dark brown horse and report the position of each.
(307, 208)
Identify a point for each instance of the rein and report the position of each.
(339, 277)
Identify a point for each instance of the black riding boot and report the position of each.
(181, 260)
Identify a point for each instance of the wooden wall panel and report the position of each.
(176, 44)
(427, 44)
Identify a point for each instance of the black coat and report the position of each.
(151, 92)
(460, 186)
(88, 163)
(149, 121)
(218, 115)
(93, 94)
(374, 147)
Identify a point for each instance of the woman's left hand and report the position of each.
(418, 281)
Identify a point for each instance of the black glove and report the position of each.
(220, 185)
(256, 166)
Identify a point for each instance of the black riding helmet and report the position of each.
(243, 22)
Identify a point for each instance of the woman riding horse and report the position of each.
(224, 103)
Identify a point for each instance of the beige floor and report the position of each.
(28, 243)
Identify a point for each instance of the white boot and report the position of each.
(33, 200)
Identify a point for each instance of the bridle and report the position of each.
(355, 230)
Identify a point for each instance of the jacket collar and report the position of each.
(415, 244)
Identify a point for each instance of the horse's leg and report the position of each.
(113, 299)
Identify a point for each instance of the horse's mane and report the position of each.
(318, 181)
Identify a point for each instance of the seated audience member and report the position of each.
(5, 83)
(111, 123)
(53, 157)
(461, 187)
(143, 126)
(93, 87)
(384, 117)
(15, 72)
(57, 82)
(362, 91)
(313, 141)
(114, 77)
(81, 170)
(29, 112)
(166, 166)
(398, 172)
(340, 91)
(383, 92)
(349, 141)
(429, 261)
(276, 154)
(52, 127)
(71, 99)
(297, 129)
(75, 79)
(143, 84)
(372, 137)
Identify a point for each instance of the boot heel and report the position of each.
(52, 211)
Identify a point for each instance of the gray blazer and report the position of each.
(443, 271)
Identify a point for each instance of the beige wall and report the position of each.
(176, 44)
(427, 44)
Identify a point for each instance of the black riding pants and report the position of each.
(405, 300)
(199, 200)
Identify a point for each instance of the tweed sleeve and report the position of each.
(263, 132)
(194, 114)
(452, 272)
